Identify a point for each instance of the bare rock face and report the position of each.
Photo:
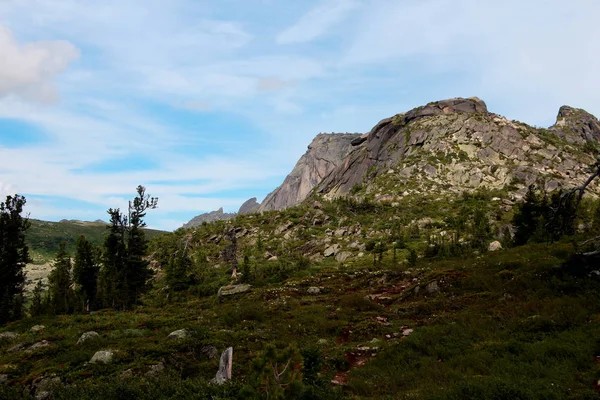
(212, 216)
(324, 154)
(576, 125)
(249, 206)
(457, 145)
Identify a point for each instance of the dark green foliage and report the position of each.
(528, 216)
(14, 255)
(59, 283)
(85, 272)
(561, 214)
(277, 374)
(38, 303)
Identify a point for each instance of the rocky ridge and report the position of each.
(212, 216)
(457, 145)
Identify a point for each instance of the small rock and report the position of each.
(156, 370)
(322, 342)
(88, 336)
(407, 332)
(273, 258)
(37, 328)
(495, 246)
(128, 373)
(432, 287)
(317, 205)
(343, 256)
(8, 336)
(233, 289)
(331, 250)
(313, 290)
(180, 334)
(103, 356)
(209, 351)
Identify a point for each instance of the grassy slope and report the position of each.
(510, 324)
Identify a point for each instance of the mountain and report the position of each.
(457, 144)
(324, 154)
(249, 206)
(212, 216)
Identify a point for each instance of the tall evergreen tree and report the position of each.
(85, 272)
(177, 269)
(110, 282)
(14, 255)
(527, 216)
(59, 283)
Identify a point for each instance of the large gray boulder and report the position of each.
(88, 337)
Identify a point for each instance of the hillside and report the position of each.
(380, 284)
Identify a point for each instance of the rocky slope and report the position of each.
(324, 154)
(458, 145)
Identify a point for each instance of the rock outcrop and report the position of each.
(459, 145)
(212, 216)
(324, 154)
(249, 206)
(576, 125)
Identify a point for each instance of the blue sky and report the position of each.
(208, 103)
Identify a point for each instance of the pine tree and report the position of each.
(14, 255)
(110, 282)
(85, 272)
(61, 294)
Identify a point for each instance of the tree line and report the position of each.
(114, 275)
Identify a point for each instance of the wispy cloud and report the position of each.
(317, 21)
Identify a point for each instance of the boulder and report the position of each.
(233, 289)
(37, 328)
(42, 387)
(87, 337)
(179, 334)
(495, 246)
(103, 357)
(16, 347)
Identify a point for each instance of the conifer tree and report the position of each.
(85, 272)
(37, 301)
(14, 255)
(527, 216)
(61, 294)
(178, 268)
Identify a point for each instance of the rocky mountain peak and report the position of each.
(325, 152)
(249, 206)
(212, 216)
(576, 125)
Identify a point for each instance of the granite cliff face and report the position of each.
(249, 206)
(324, 154)
(457, 145)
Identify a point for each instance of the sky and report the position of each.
(210, 103)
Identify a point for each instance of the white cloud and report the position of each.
(317, 21)
(28, 70)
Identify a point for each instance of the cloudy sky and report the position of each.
(209, 103)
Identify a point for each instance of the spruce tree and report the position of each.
(177, 269)
(59, 282)
(527, 216)
(14, 255)
(85, 272)
(37, 301)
